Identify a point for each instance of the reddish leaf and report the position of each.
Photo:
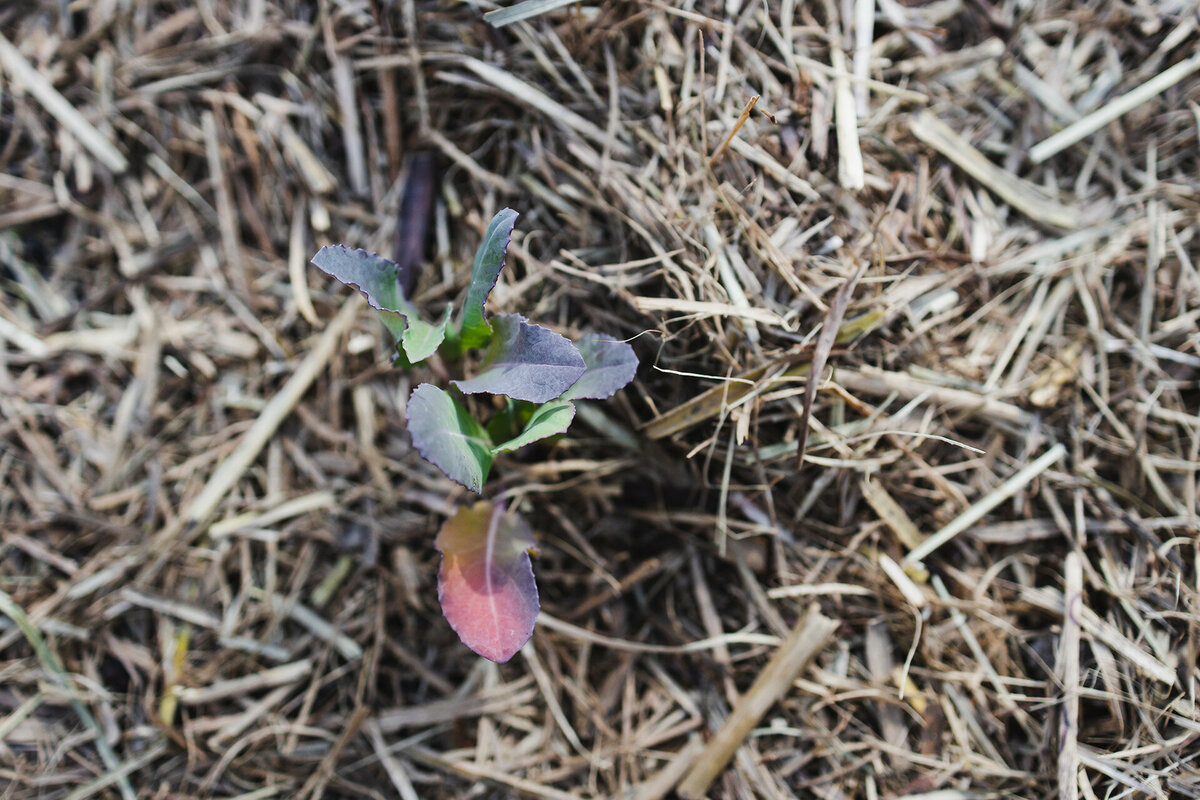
(486, 584)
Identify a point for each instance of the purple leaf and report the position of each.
(378, 279)
(485, 584)
(610, 366)
(526, 362)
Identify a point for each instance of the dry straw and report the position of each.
(948, 259)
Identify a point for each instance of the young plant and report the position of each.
(485, 585)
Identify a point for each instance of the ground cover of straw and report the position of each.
(217, 572)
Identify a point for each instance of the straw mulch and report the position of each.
(981, 578)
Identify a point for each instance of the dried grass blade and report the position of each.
(700, 645)
(712, 402)
(1107, 633)
(60, 108)
(802, 645)
(737, 126)
(850, 164)
(435, 712)
(523, 92)
(394, 769)
(226, 213)
(662, 782)
(876, 382)
(976, 512)
(1122, 105)
(50, 663)
(108, 779)
(234, 687)
(314, 787)
(486, 772)
(19, 715)
(825, 342)
(756, 155)
(356, 160)
(1022, 196)
(891, 512)
(276, 410)
(522, 11)
(297, 265)
(703, 308)
(1068, 654)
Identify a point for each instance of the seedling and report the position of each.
(485, 585)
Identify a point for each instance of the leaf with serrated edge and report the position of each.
(474, 330)
(448, 437)
(485, 585)
(549, 419)
(377, 278)
(526, 362)
(610, 366)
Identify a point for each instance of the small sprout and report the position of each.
(486, 584)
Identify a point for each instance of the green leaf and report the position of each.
(474, 330)
(422, 339)
(509, 421)
(448, 437)
(526, 362)
(377, 278)
(485, 585)
(550, 419)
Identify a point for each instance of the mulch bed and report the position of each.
(962, 562)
